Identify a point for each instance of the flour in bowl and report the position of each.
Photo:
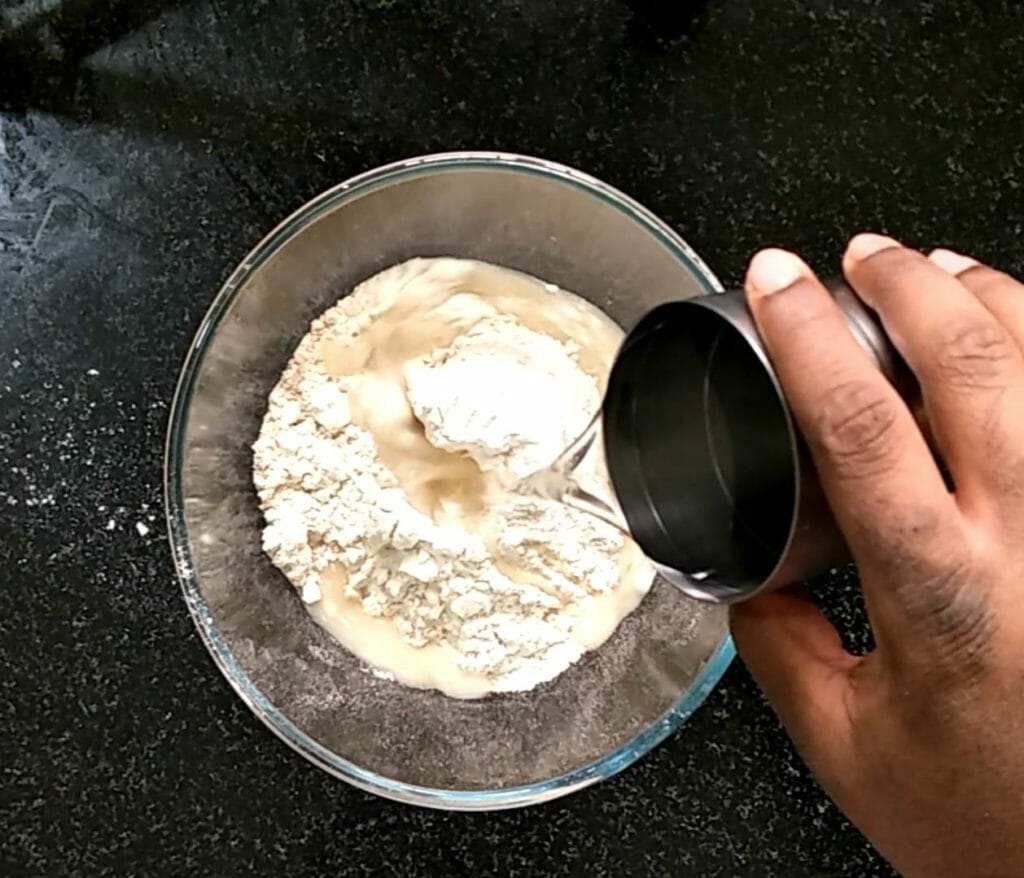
(380, 467)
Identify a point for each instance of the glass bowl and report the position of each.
(420, 746)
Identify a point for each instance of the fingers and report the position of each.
(882, 483)
(798, 660)
(1000, 293)
(967, 362)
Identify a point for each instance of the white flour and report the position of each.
(377, 468)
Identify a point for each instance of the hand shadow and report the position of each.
(41, 49)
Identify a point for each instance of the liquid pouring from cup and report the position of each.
(709, 473)
(558, 481)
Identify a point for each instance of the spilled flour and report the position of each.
(379, 470)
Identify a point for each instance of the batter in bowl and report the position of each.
(381, 467)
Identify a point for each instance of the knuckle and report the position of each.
(936, 579)
(924, 525)
(973, 353)
(1004, 457)
(928, 575)
(912, 543)
(1009, 481)
(856, 428)
(960, 621)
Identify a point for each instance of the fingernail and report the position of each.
(952, 262)
(773, 270)
(868, 244)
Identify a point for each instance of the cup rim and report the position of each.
(447, 799)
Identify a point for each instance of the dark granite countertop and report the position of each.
(145, 145)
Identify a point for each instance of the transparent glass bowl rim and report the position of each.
(459, 800)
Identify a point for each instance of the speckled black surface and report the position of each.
(145, 146)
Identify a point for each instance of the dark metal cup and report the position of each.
(711, 473)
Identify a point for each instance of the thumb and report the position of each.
(797, 658)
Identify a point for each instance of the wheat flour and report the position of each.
(379, 467)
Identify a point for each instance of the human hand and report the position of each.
(920, 742)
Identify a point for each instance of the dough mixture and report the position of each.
(380, 469)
